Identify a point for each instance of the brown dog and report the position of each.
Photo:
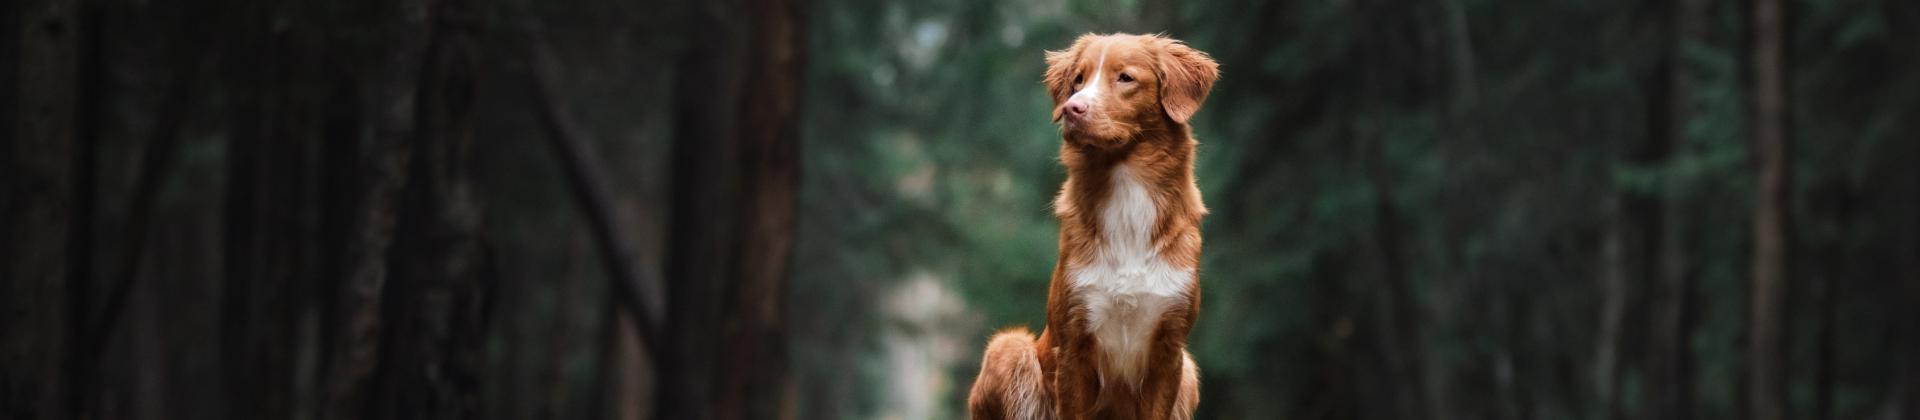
(1124, 293)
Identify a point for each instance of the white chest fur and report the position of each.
(1127, 286)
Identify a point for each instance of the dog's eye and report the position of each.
(1076, 79)
(1126, 78)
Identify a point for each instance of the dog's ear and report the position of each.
(1186, 74)
(1060, 72)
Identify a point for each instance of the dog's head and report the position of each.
(1108, 89)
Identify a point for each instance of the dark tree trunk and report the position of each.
(81, 351)
(1335, 394)
(1766, 388)
(82, 377)
(38, 203)
(704, 192)
(9, 84)
(753, 379)
(379, 163)
(341, 189)
(1907, 298)
(433, 304)
(1614, 269)
(268, 207)
(1834, 209)
(1904, 299)
(1625, 252)
(1669, 362)
(1398, 312)
(736, 182)
(155, 170)
(607, 343)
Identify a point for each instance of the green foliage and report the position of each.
(1481, 142)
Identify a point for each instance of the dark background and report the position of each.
(470, 209)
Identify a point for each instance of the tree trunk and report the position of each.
(380, 164)
(34, 319)
(1465, 89)
(1907, 298)
(1400, 330)
(754, 383)
(9, 86)
(1613, 312)
(1334, 394)
(704, 192)
(1902, 300)
(270, 202)
(1765, 387)
(155, 170)
(1836, 205)
(736, 183)
(1669, 360)
(432, 307)
(82, 377)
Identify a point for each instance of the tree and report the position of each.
(36, 204)
(1670, 385)
(1766, 389)
(380, 162)
(263, 207)
(433, 305)
(736, 182)
(704, 178)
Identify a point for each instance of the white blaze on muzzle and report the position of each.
(1090, 92)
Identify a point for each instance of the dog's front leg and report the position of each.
(1077, 383)
(1162, 385)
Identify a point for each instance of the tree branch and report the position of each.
(593, 193)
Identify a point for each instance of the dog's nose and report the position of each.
(1076, 108)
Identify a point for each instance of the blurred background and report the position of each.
(819, 209)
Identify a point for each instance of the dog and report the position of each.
(1125, 291)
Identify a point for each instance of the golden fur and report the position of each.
(1124, 102)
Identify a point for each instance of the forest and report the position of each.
(820, 209)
